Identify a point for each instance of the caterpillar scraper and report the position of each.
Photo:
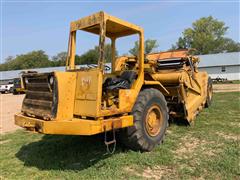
(136, 99)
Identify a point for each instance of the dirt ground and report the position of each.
(11, 104)
(226, 87)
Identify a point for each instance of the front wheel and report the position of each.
(150, 114)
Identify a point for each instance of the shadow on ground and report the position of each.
(68, 152)
(64, 152)
(178, 121)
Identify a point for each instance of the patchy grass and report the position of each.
(208, 150)
(236, 81)
(228, 82)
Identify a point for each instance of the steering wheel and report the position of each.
(106, 67)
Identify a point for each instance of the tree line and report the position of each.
(206, 36)
(39, 59)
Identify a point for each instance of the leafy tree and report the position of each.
(206, 36)
(34, 59)
(59, 59)
(108, 53)
(134, 50)
(150, 45)
(230, 45)
(78, 59)
(9, 59)
(91, 56)
(38, 59)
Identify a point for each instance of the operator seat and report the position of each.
(124, 81)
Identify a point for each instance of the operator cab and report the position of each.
(95, 82)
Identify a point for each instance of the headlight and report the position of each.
(51, 80)
(26, 80)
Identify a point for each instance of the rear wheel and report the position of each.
(150, 121)
(209, 93)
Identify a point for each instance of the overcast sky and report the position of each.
(28, 26)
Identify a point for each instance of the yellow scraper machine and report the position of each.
(136, 98)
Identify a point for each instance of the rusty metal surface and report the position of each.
(154, 121)
(38, 101)
(77, 103)
(76, 126)
(88, 93)
(187, 86)
(168, 55)
(115, 26)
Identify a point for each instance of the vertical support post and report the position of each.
(68, 52)
(139, 82)
(141, 53)
(102, 42)
(72, 50)
(113, 48)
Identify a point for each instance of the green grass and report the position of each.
(236, 81)
(229, 82)
(209, 149)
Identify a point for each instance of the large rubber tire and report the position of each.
(137, 137)
(209, 93)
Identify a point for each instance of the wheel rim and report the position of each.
(153, 121)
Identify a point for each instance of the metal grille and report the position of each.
(40, 99)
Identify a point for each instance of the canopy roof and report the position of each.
(114, 27)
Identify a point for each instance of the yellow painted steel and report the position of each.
(66, 95)
(20, 90)
(193, 92)
(80, 92)
(153, 122)
(75, 126)
(88, 93)
(159, 86)
(113, 28)
(81, 107)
